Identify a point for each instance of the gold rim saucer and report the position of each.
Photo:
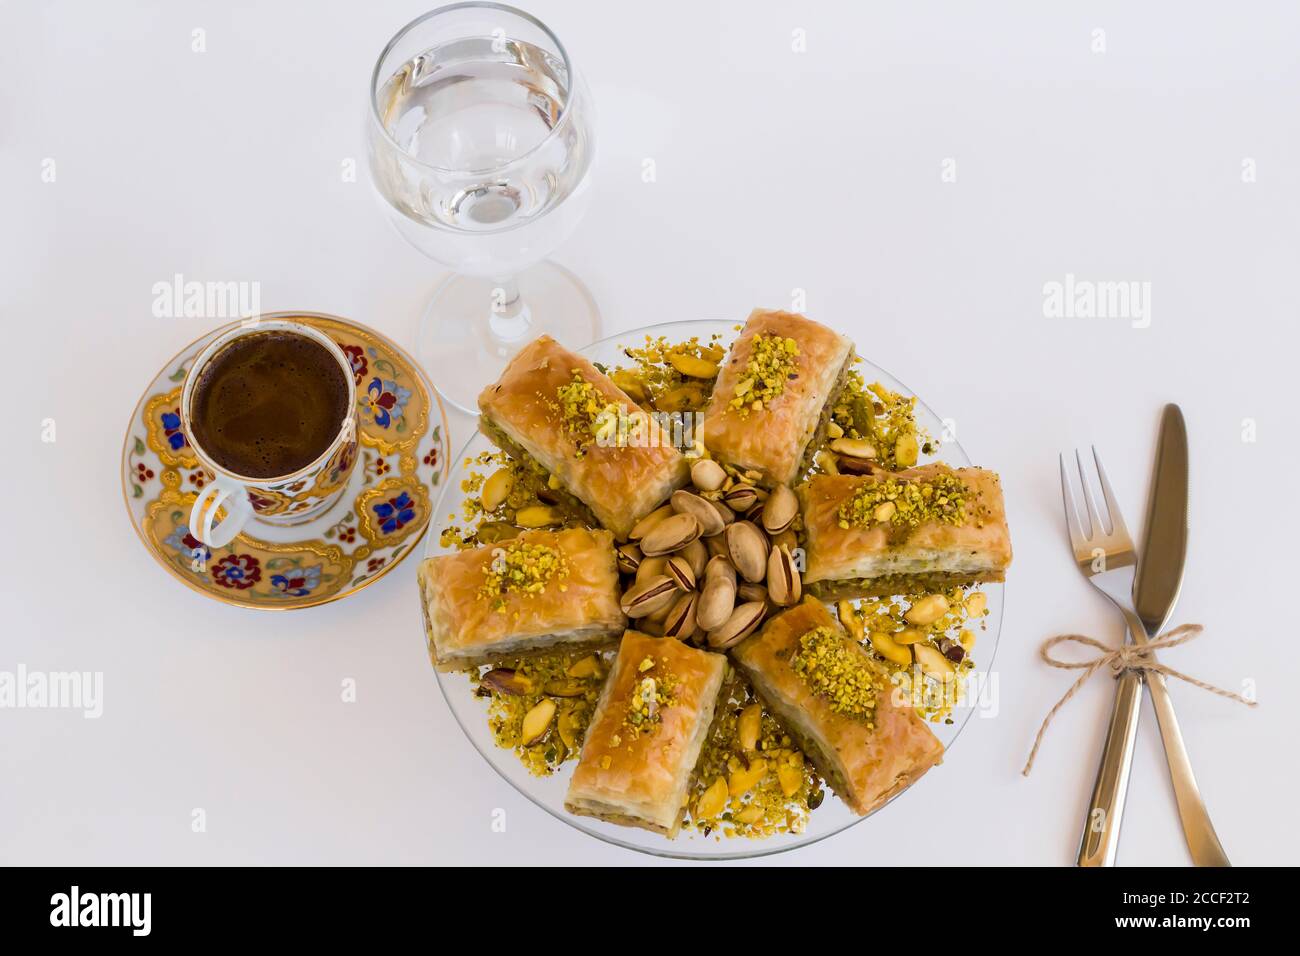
(377, 522)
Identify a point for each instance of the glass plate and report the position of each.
(548, 792)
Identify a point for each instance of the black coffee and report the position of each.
(268, 404)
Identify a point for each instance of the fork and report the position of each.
(1108, 560)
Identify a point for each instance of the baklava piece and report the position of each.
(926, 528)
(774, 396)
(645, 737)
(554, 406)
(837, 703)
(540, 592)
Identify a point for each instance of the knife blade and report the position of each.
(1155, 591)
(1164, 546)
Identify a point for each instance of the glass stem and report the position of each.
(509, 317)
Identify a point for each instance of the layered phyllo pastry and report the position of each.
(925, 528)
(540, 592)
(773, 398)
(555, 407)
(645, 736)
(838, 704)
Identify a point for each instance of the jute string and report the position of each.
(1126, 657)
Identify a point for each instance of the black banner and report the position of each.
(210, 905)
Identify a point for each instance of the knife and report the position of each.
(1155, 590)
(1164, 538)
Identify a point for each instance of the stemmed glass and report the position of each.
(481, 147)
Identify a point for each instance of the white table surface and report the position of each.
(776, 171)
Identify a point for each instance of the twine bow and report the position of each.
(1126, 657)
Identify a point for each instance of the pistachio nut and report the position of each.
(629, 557)
(742, 622)
(855, 466)
(491, 532)
(720, 566)
(905, 450)
(933, 664)
(697, 554)
(853, 448)
(749, 726)
(716, 545)
(670, 534)
(686, 503)
(564, 688)
(496, 489)
(787, 538)
(707, 475)
(780, 509)
(890, 650)
(783, 583)
(504, 680)
(588, 666)
(747, 549)
(537, 721)
(741, 498)
(679, 569)
(718, 598)
(851, 619)
(692, 366)
(643, 600)
(647, 524)
(651, 568)
(538, 516)
(927, 610)
(743, 779)
(680, 622)
(951, 650)
(724, 512)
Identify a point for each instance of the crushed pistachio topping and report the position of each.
(905, 504)
(521, 567)
(768, 787)
(884, 418)
(651, 694)
(953, 633)
(661, 379)
(586, 414)
(530, 485)
(573, 681)
(771, 364)
(832, 670)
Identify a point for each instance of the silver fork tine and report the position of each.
(1089, 499)
(1077, 537)
(1112, 506)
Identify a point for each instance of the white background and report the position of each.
(776, 171)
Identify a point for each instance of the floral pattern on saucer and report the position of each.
(377, 522)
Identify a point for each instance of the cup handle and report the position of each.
(220, 493)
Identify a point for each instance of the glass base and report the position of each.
(472, 326)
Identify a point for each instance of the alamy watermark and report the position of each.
(53, 690)
(1088, 299)
(179, 298)
(614, 427)
(977, 690)
(131, 911)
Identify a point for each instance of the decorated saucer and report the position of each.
(375, 524)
